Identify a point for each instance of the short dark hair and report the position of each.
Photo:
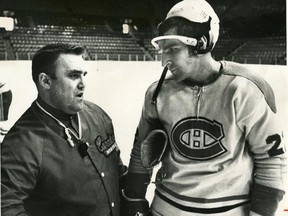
(185, 27)
(45, 57)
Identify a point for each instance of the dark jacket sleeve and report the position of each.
(18, 175)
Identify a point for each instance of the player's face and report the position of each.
(176, 54)
(67, 90)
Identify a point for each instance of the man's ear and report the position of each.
(201, 46)
(203, 43)
(44, 80)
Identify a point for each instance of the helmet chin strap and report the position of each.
(157, 90)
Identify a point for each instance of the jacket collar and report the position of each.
(55, 112)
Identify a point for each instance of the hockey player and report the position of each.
(212, 124)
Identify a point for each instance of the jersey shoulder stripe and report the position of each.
(236, 69)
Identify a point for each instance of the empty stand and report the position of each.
(104, 40)
(100, 44)
(269, 50)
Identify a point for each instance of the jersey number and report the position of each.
(275, 140)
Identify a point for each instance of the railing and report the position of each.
(256, 60)
(92, 57)
(118, 57)
(134, 57)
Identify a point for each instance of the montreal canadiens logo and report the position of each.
(198, 138)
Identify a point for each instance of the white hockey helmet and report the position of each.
(198, 11)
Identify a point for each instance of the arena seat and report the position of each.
(105, 41)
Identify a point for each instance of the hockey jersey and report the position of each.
(223, 137)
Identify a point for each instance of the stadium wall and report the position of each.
(119, 88)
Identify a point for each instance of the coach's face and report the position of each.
(67, 90)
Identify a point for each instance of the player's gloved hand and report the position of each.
(153, 148)
(133, 206)
(132, 195)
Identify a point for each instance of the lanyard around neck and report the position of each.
(66, 129)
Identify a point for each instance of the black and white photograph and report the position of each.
(143, 108)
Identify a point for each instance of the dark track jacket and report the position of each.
(43, 175)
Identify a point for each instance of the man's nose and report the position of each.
(166, 61)
(82, 82)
